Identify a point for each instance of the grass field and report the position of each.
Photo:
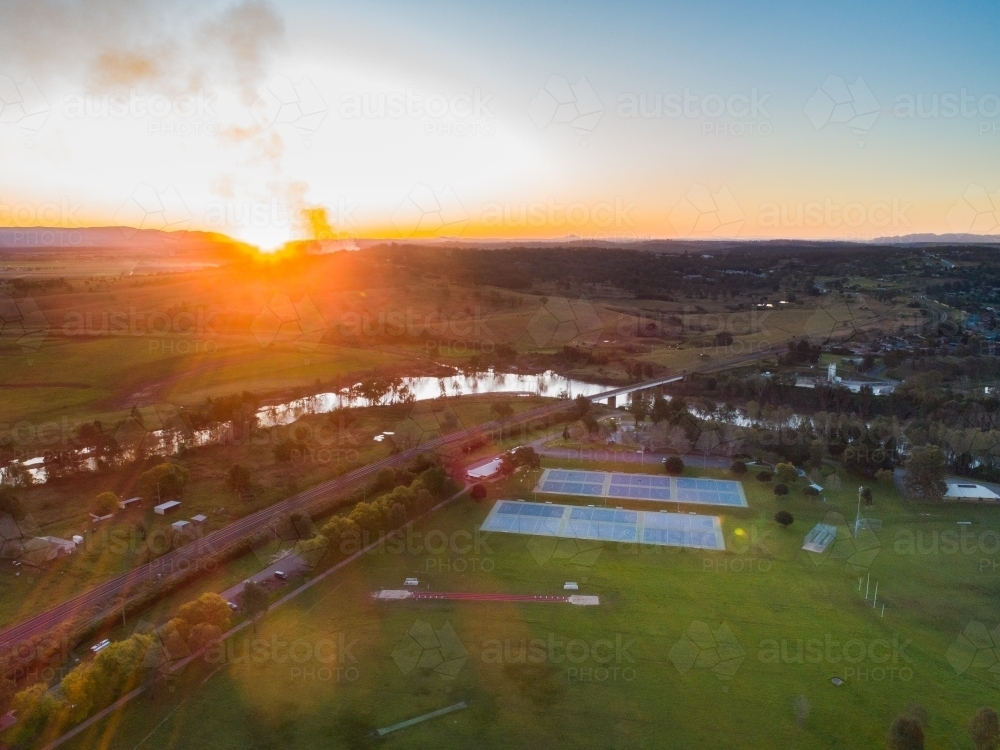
(115, 546)
(723, 650)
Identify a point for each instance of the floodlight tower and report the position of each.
(857, 517)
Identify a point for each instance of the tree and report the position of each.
(162, 482)
(925, 472)
(764, 476)
(661, 409)
(343, 534)
(239, 479)
(8, 688)
(478, 492)
(905, 734)
(209, 609)
(984, 729)
(202, 635)
(582, 404)
(639, 406)
(866, 495)
(786, 472)
(780, 489)
(674, 466)
(739, 468)
(523, 455)
(35, 707)
(254, 602)
(104, 504)
(9, 502)
(784, 518)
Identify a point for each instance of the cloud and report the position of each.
(120, 69)
(246, 34)
(174, 45)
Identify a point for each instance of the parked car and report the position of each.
(280, 576)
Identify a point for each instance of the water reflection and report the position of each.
(548, 383)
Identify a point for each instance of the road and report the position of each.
(187, 557)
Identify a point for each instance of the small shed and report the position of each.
(123, 504)
(180, 525)
(199, 519)
(168, 507)
(484, 470)
(970, 491)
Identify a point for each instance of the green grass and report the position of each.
(764, 589)
(62, 509)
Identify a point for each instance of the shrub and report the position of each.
(739, 468)
(523, 455)
(984, 729)
(162, 482)
(780, 489)
(905, 734)
(786, 472)
(9, 502)
(764, 476)
(674, 466)
(810, 490)
(478, 492)
(104, 504)
(239, 479)
(784, 518)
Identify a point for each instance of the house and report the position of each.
(168, 507)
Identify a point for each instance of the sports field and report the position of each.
(660, 489)
(744, 641)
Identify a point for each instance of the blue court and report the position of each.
(606, 524)
(652, 487)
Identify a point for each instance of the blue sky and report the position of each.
(417, 175)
